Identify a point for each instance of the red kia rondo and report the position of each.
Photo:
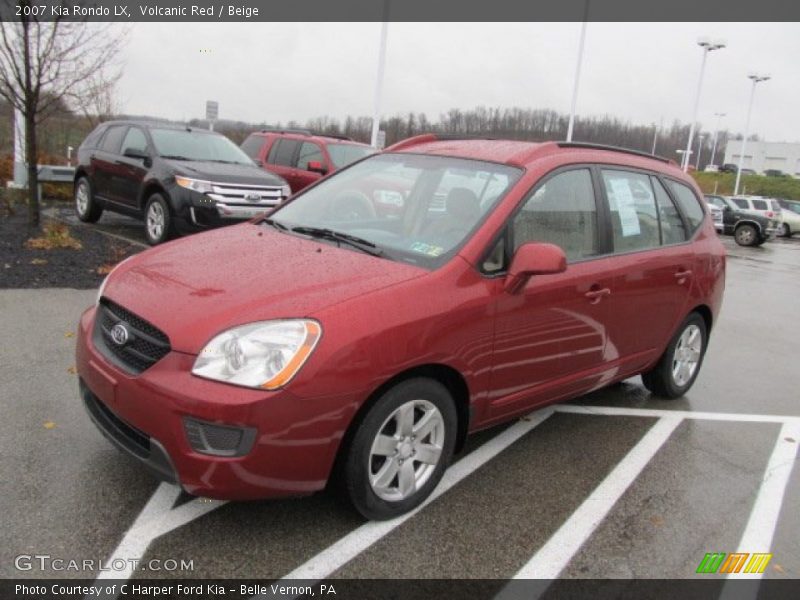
(331, 340)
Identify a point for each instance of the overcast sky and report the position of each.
(641, 72)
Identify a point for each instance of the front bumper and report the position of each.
(195, 211)
(292, 453)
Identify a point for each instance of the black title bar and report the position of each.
(199, 11)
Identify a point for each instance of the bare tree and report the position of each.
(44, 64)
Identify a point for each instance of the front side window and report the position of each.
(344, 154)
(632, 205)
(561, 211)
(282, 152)
(185, 144)
(352, 202)
(134, 140)
(309, 152)
(689, 204)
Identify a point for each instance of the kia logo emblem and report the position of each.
(119, 334)
(252, 197)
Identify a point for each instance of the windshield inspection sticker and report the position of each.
(625, 204)
(423, 248)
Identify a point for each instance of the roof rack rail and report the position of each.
(592, 146)
(286, 130)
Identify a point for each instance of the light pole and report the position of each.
(571, 125)
(756, 78)
(707, 47)
(376, 114)
(700, 139)
(656, 131)
(716, 135)
(684, 155)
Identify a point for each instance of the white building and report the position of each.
(761, 156)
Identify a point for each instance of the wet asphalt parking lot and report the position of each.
(613, 484)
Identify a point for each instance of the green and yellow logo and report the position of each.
(736, 562)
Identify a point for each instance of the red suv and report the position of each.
(301, 157)
(317, 342)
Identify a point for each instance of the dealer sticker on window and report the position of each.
(428, 249)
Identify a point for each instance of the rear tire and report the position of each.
(400, 449)
(86, 207)
(157, 220)
(746, 235)
(678, 367)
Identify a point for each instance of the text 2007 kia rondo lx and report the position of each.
(363, 329)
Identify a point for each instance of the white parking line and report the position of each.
(760, 529)
(344, 550)
(556, 553)
(616, 411)
(157, 518)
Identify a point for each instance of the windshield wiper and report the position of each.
(329, 234)
(175, 157)
(275, 224)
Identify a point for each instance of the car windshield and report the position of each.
(415, 208)
(344, 154)
(183, 144)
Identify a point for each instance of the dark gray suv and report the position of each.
(177, 179)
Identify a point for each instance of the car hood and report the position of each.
(225, 173)
(196, 287)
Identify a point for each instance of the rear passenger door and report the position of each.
(104, 162)
(282, 159)
(652, 267)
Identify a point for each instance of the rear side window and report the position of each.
(562, 211)
(689, 204)
(760, 205)
(632, 204)
(282, 152)
(252, 145)
(673, 231)
(113, 139)
(309, 152)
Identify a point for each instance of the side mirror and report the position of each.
(136, 153)
(727, 208)
(316, 167)
(534, 258)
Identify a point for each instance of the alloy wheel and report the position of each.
(687, 354)
(82, 198)
(406, 450)
(155, 221)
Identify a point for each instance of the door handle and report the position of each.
(682, 276)
(595, 295)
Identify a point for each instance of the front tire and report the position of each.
(157, 220)
(746, 235)
(786, 231)
(86, 207)
(678, 367)
(400, 449)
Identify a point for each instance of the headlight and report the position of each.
(111, 272)
(196, 185)
(263, 355)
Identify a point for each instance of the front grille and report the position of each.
(233, 194)
(146, 344)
